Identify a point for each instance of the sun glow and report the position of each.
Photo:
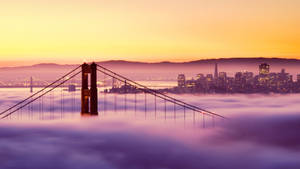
(68, 31)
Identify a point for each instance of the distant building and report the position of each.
(264, 69)
(190, 83)
(238, 79)
(290, 78)
(248, 76)
(200, 76)
(298, 78)
(216, 71)
(209, 77)
(222, 75)
(31, 84)
(123, 89)
(71, 88)
(114, 83)
(181, 80)
(222, 82)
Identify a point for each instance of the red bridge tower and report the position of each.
(89, 96)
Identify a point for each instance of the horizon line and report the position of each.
(158, 62)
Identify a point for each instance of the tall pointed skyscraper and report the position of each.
(216, 71)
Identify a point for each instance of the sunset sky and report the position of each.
(71, 31)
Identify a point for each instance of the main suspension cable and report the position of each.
(39, 95)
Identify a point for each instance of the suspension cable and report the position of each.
(157, 92)
(162, 96)
(41, 90)
(39, 95)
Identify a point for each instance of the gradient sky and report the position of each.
(72, 31)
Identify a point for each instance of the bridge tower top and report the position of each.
(89, 95)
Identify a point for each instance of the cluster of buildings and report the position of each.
(242, 82)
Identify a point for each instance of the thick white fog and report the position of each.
(262, 132)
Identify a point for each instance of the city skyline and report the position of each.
(264, 81)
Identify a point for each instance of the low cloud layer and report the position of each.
(268, 142)
(262, 133)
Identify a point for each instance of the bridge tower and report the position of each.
(89, 96)
(31, 84)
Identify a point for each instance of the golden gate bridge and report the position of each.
(35, 103)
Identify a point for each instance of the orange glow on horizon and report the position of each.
(36, 31)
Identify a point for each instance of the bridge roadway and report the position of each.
(72, 74)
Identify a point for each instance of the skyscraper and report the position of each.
(264, 69)
(216, 71)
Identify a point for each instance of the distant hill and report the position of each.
(210, 61)
(158, 70)
(245, 61)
